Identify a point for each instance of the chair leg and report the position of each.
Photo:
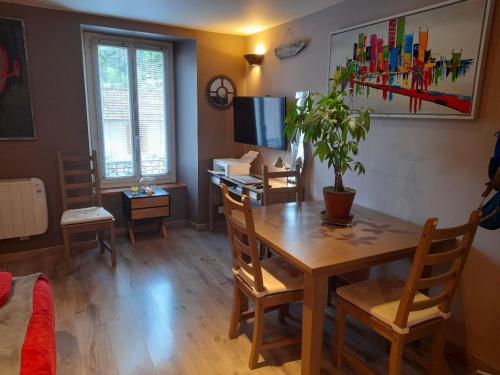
(235, 312)
(396, 356)
(100, 240)
(438, 342)
(67, 252)
(283, 312)
(112, 240)
(339, 336)
(258, 328)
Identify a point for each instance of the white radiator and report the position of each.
(23, 208)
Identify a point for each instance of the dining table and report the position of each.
(297, 232)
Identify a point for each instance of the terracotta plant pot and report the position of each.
(338, 204)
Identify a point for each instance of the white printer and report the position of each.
(235, 167)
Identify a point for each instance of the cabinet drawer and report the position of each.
(150, 202)
(146, 213)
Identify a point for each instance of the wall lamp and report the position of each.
(254, 59)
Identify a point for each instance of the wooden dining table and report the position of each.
(296, 232)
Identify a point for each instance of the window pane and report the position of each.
(152, 111)
(116, 140)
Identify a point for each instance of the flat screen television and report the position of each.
(260, 121)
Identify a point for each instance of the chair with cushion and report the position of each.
(282, 194)
(270, 283)
(82, 203)
(405, 312)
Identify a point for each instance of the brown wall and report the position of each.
(415, 168)
(54, 47)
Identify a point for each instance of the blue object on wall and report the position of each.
(495, 160)
(492, 207)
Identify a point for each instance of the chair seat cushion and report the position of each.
(380, 298)
(278, 276)
(85, 215)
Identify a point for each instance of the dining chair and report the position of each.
(282, 194)
(82, 203)
(270, 283)
(401, 312)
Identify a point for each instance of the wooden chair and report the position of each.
(399, 311)
(282, 194)
(270, 283)
(274, 195)
(82, 203)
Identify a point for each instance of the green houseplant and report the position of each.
(335, 132)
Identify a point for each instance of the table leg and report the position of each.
(315, 287)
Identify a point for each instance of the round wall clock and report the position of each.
(220, 92)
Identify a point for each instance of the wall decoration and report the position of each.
(16, 119)
(293, 48)
(424, 63)
(220, 92)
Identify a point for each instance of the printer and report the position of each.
(235, 167)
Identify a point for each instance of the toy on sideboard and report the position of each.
(146, 185)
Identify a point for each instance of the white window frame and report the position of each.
(90, 42)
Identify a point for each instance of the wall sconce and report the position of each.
(254, 59)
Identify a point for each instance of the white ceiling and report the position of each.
(241, 17)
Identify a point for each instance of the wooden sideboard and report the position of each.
(141, 206)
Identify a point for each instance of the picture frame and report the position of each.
(16, 113)
(381, 65)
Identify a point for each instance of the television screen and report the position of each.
(260, 121)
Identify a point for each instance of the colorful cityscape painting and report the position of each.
(425, 63)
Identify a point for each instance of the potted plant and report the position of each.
(335, 132)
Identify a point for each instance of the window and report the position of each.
(130, 101)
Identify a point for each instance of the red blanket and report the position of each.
(38, 356)
(5, 287)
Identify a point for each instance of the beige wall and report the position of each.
(415, 168)
(53, 41)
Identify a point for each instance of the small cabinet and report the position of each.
(141, 206)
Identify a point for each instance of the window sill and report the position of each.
(113, 191)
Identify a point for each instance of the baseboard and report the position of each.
(57, 250)
(205, 226)
(198, 227)
(468, 359)
(123, 231)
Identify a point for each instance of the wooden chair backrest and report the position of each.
(79, 180)
(296, 190)
(450, 264)
(241, 233)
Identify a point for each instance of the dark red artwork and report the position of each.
(16, 119)
(4, 69)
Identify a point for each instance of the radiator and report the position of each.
(23, 208)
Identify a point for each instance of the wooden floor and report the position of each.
(165, 310)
